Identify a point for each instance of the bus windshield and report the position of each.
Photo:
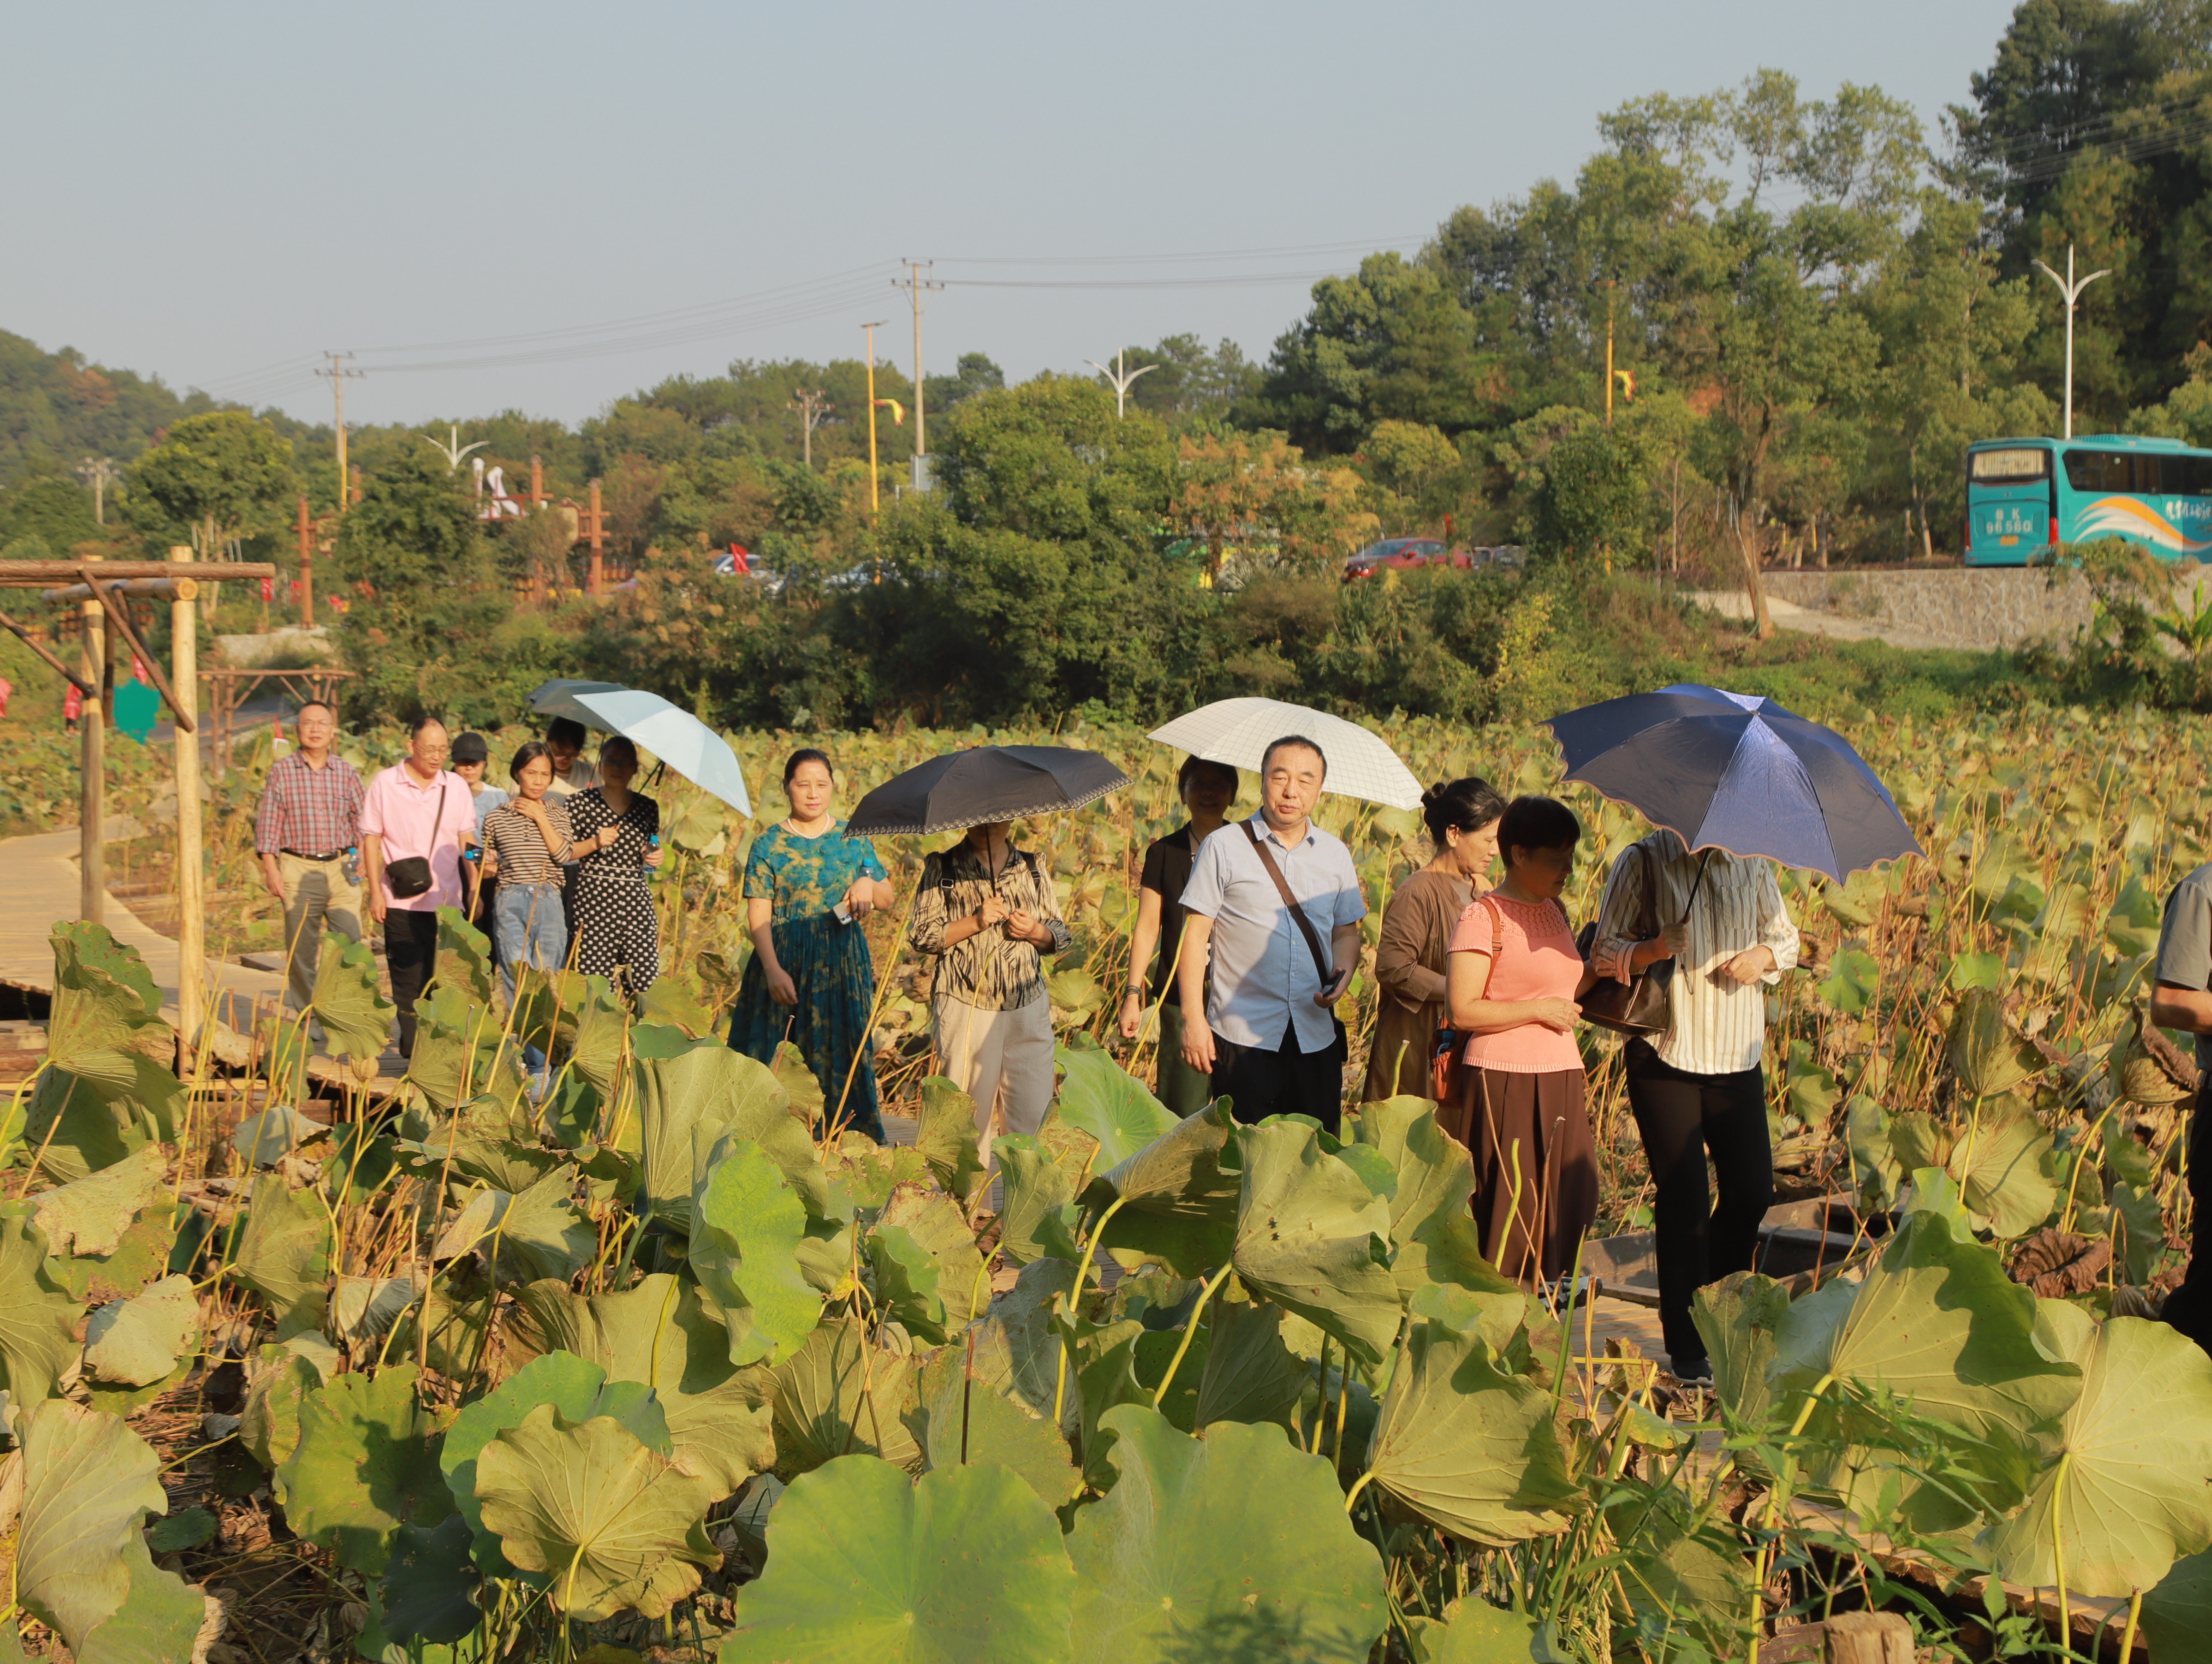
(2015, 465)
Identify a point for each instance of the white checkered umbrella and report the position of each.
(1237, 731)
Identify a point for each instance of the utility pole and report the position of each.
(339, 376)
(1121, 382)
(812, 407)
(874, 485)
(1608, 352)
(307, 535)
(98, 470)
(2072, 291)
(916, 287)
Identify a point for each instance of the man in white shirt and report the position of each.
(1265, 1030)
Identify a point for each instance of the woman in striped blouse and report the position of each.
(527, 843)
(1701, 1089)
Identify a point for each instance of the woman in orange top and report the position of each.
(1513, 978)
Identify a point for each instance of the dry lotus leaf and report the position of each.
(2149, 1068)
(2057, 1263)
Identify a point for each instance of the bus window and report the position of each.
(2014, 465)
(2110, 471)
(2185, 476)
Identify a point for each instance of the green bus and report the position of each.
(2027, 496)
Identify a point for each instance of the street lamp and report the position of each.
(1121, 381)
(2072, 291)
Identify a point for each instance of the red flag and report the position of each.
(138, 670)
(268, 587)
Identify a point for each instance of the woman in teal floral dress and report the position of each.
(807, 887)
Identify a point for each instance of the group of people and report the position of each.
(555, 871)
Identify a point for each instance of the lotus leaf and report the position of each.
(1248, 1374)
(933, 1222)
(1178, 1196)
(355, 1018)
(138, 1341)
(1977, 970)
(186, 1529)
(868, 1172)
(1233, 1546)
(1495, 1314)
(608, 1523)
(2003, 863)
(1312, 1236)
(1100, 1097)
(1853, 983)
(266, 1139)
(1986, 1052)
(364, 1308)
(906, 1279)
(1876, 1167)
(595, 1052)
(869, 1569)
(460, 1053)
(2177, 1615)
(283, 1253)
(685, 1102)
(1040, 1217)
(465, 959)
(945, 1134)
(967, 1421)
(798, 1084)
(1687, 1586)
(539, 1234)
(836, 1395)
(277, 1384)
(2003, 1164)
(1737, 1318)
(428, 1586)
(1472, 1631)
(103, 1092)
(87, 1484)
(90, 1214)
(674, 1000)
(161, 1620)
(747, 1227)
(38, 1319)
(363, 1466)
(2148, 1068)
(2132, 927)
(78, 1124)
(1434, 1177)
(2129, 1490)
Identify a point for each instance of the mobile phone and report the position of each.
(1334, 986)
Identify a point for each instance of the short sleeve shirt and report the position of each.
(2185, 942)
(1167, 869)
(806, 877)
(1264, 977)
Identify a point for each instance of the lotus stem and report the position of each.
(2059, 1549)
(1320, 1409)
(833, 1124)
(1082, 1280)
(1189, 1328)
(1358, 1485)
(2128, 1635)
(1777, 1496)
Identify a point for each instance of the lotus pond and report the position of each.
(644, 1370)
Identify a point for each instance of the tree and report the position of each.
(1260, 499)
(219, 474)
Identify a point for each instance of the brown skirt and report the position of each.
(1535, 1166)
(1399, 1062)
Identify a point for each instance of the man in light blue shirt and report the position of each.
(1266, 1031)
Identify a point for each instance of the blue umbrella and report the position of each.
(1737, 772)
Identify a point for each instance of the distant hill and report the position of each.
(57, 409)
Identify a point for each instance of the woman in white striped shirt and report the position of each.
(1699, 1090)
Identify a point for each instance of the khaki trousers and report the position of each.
(1002, 1059)
(316, 893)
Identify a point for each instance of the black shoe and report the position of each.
(1691, 1371)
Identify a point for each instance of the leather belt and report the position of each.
(302, 855)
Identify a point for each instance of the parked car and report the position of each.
(1404, 554)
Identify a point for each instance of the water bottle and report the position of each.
(652, 841)
(353, 864)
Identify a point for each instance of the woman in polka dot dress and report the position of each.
(614, 832)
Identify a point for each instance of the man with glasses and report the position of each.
(304, 833)
(416, 810)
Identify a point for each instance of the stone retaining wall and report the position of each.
(1975, 607)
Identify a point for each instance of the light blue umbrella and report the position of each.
(558, 698)
(678, 738)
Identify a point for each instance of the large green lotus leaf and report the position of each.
(264, 1139)
(1737, 1318)
(142, 1254)
(1435, 1175)
(2136, 1447)
(933, 1221)
(1016, 1346)
(674, 1001)
(159, 1621)
(355, 1017)
(1248, 1376)
(967, 1421)
(870, 1569)
(833, 1399)
(1040, 1217)
(90, 1216)
(868, 1172)
(104, 1001)
(1097, 1096)
(428, 1585)
(1178, 1196)
(1853, 983)
(277, 1382)
(1312, 1236)
(87, 1484)
(1987, 1053)
(1469, 1447)
(1687, 1587)
(945, 1133)
(2177, 1615)
(747, 1225)
(37, 1318)
(685, 1103)
(2003, 1164)
(2132, 927)
(602, 1034)
(798, 1084)
(138, 1341)
(540, 1234)
(284, 1251)
(465, 961)
(662, 1334)
(1234, 1545)
(363, 1466)
(1937, 1322)
(1496, 1315)
(460, 1053)
(77, 1125)
(906, 1280)
(1875, 1169)
(608, 1523)
(1472, 1631)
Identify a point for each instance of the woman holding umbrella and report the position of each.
(807, 886)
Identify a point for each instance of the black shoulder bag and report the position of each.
(410, 876)
(1637, 1006)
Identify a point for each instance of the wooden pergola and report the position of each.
(102, 588)
(229, 690)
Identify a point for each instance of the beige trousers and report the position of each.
(1002, 1059)
(315, 893)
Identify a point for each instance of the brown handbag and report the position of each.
(1639, 1006)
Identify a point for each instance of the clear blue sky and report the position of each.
(206, 192)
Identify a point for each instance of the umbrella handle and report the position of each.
(1696, 885)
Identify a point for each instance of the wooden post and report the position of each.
(92, 764)
(306, 569)
(1869, 1637)
(598, 539)
(191, 903)
(537, 482)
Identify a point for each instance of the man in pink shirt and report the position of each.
(418, 809)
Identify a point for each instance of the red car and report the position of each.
(1403, 554)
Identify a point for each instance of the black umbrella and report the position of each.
(1737, 772)
(988, 783)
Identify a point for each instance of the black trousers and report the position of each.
(2189, 1308)
(411, 953)
(1684, 1119)
(1259, 1082)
